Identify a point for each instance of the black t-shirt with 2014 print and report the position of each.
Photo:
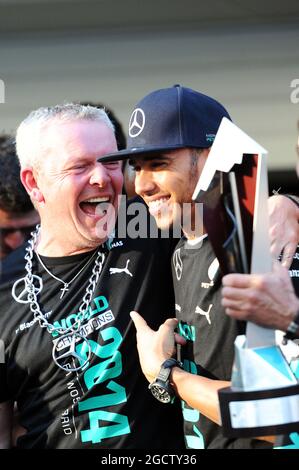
(107, 404)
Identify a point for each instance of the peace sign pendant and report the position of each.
(25, 292)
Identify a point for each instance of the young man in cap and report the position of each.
(170, 134)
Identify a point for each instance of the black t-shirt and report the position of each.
(107, 404)
(291, 441)
(294, 271)
(210, 336)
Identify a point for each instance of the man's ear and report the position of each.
(28, 179)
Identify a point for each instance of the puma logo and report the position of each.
(121, 270)
(206, 314)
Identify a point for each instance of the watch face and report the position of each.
(160, 393)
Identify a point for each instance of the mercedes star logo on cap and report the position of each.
(137, 121)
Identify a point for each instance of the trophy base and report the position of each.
(260, 412)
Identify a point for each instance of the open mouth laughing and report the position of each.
(96, 206)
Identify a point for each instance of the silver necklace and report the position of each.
(68, 337)
(65, 287)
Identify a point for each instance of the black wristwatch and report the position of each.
(161, 387)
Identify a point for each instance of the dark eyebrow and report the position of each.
(150, 158)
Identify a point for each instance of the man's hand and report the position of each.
(154, 347)
(284, 228)
(266, 299)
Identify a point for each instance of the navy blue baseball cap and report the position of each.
(169, 119)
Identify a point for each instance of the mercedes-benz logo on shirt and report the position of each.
(137, 121)
(62, 359)
(177, 263)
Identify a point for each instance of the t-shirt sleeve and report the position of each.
(294, 271)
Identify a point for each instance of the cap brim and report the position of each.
(136, 152)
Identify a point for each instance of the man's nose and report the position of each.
(144, 183)
(14, 239)
(99, 175)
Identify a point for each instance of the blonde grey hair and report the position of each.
(29, 140)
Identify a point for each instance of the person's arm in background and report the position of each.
(284, 227)
(266, 299)
(6, 416)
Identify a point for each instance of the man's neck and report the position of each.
(192, 221)
(195, 234)
(48, 245)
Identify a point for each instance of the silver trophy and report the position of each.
(264, 395)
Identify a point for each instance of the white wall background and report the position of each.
(249, 69)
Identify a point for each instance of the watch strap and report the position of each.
(292, 331)
(166, 367)
(293, 198)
